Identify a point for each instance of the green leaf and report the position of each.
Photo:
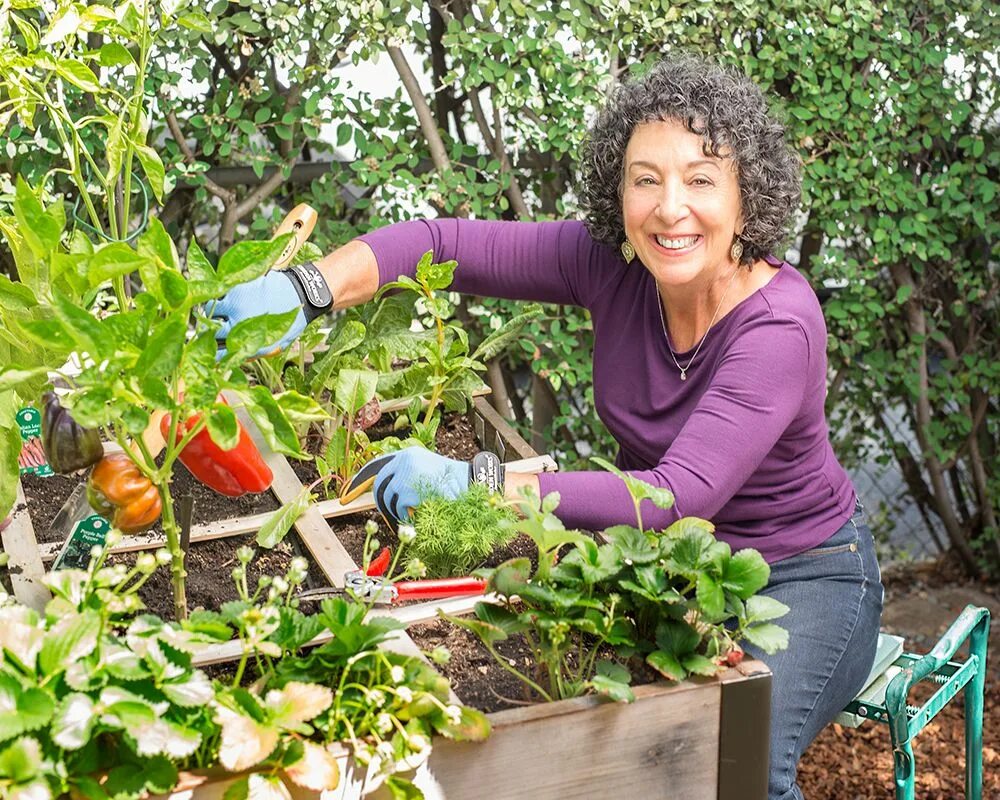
(511, 576)
(111, 261)
(163, 352)
(152, 166)
(640, 490)
(13, 376)
(87, 331)
(69, 640)
(502, 338)
(113, 54)
(28, 31)
(258, 333)
(354, 388)
(710, 596)
(767, 636)
(667, 665)
(272, 422)
(73, 721)
(700, 665)
(245, 261)
(745, 573)
(300, 408)
(15, 296)
(21, 761)
(157, 245)
(198, 266)
(281, 521)
(761, 608)
(25, 711)
(612, 689)
(435, 276)
(223, 426)
(677, 637)
(40, 230)
(78, 73)
(632, 543)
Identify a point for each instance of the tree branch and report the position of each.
(423, 111)
(225, 195)
(917, 324)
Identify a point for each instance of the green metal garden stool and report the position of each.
(893, 675)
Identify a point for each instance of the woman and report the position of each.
(709, 361)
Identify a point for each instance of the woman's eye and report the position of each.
(647, 181)
(701, 182)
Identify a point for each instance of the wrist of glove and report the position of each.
(275, 292)
(406, 477)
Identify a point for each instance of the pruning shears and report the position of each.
(371, 586)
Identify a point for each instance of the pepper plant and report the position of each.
(159, 355)
(677, 601)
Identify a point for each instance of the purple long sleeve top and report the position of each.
(742, 442)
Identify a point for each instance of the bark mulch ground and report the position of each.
(856, 764)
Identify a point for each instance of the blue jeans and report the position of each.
(834, 593)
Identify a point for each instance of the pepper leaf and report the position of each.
(223, 426)
(272, 422)
(245, 261)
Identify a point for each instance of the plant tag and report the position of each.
(85, 529)
(32, 460)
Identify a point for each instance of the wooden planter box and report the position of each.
(703, 739)
(698, 740)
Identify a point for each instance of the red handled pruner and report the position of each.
(372, 587)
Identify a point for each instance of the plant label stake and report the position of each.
(82, 529)
(32, 460)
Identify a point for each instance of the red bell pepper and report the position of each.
(232, 472)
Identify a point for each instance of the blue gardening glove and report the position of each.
(404, 477)
(275, 292)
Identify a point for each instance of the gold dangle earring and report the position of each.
(628, 252)
(736, 251)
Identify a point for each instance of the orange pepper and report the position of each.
(118, 491)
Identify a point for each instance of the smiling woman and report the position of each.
(709, 361)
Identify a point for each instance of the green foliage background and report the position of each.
(892, 106)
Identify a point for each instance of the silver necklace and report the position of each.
(701, 341)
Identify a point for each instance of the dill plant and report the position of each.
(456, 536)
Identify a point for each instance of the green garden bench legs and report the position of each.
(895, 673)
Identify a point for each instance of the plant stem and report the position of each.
(173, 533)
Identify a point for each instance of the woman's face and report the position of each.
(681, 208)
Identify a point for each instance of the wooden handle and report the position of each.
(300, 222)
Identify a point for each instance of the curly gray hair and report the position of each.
(725, 108)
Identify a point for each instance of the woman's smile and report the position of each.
(674, 246)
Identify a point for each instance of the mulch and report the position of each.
(856, 764)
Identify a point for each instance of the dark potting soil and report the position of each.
(45, 496)
(209, 565)
(455, 439)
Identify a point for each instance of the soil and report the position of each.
(856, 764)
(210, 564)
(45, 496)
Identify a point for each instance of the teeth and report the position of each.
(676, 244)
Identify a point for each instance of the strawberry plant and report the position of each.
(99, 703)
(677, 601)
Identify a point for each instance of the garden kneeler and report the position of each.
(884, 697)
